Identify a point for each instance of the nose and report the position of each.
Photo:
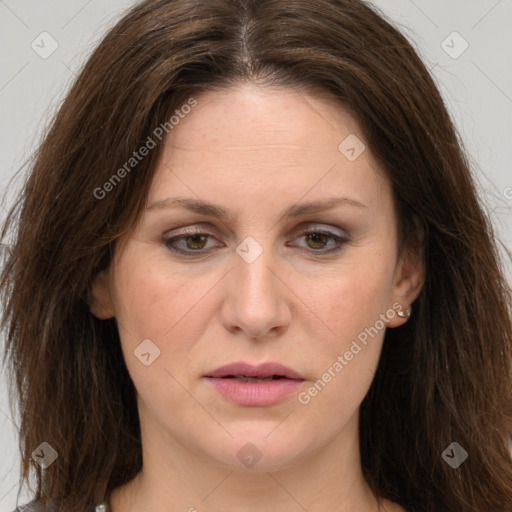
(257, 296)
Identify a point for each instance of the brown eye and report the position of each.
(195, 241)
(190, 243)
(317, 240)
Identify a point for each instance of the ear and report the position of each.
(100, 302)
(409, 280)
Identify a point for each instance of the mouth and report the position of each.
(255, 386)
(244, 378)
(246, 372)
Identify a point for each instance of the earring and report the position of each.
(404, 314)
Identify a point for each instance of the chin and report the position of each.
(254, 451)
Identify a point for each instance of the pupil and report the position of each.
(196, 239)
(318, 238)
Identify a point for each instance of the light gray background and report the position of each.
(477, 87)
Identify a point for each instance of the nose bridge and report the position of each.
(257, 302)
(252, 271)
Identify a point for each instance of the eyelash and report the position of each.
(171, 241)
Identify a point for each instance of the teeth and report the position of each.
(242, 378)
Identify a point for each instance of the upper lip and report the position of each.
(261, 370)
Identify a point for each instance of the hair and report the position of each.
(445, 376)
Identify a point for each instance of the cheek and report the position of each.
(152, 302)
(169, 310)
(349, 305)
(344, 362)
(352, 298)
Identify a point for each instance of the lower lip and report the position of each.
(255, 394)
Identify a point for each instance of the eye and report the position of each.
(317, 240)
(189, 242)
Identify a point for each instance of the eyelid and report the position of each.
(322, 228)
(188, 231)
(311, 228)
(306, 228)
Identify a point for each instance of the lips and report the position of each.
(255, 386)
(249, 373)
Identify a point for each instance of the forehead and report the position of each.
(267, 143)
(263, 120)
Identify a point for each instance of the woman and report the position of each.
(251, 272)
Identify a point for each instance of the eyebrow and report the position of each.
(213, 210)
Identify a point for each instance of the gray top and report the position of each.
(40, 506)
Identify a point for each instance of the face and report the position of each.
(283, 248)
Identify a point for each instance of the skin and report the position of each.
(271, 148)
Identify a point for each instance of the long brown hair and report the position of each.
(445, 377)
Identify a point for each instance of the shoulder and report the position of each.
(33, 506)
(41, 506)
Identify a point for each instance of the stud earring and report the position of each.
(404, 314)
